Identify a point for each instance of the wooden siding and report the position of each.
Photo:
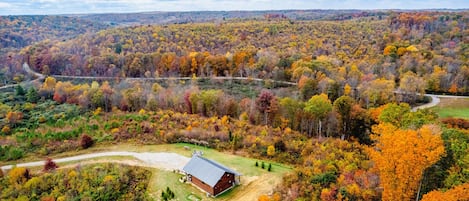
(202, 185)
(227, 181)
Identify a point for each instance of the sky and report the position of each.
(34, 7)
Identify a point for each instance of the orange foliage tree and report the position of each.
(401, 156)
(458, 193)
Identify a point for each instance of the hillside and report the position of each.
(307, 105)
(126, 19)
(17, 32)
(426, 48)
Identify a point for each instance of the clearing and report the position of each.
(163, 159)
(453, 107)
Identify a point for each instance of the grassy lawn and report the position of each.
(254, 180)
(448, 107)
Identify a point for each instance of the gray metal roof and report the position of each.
(206, 170)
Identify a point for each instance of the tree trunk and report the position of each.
(320, 129)
(420, 188)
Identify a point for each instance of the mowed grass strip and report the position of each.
(453, 107)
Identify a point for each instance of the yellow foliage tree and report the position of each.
(401, 51)
(401, 156)
(18, 175)
(347, 90)
(49, 84)
(390, 49)
(270, 150)
(412, 49)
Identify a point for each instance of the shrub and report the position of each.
(456, 123)
(167, 195)
(86, 141)
(270, 167)
(18, 175)
(6, 130)
(262, 165)
(324, 179)
(49, 165)
(257, 164)
(14, 153)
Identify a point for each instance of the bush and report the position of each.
(257, 164)
(15, 153)
(270, 167)
(49, 165)
(456, 123)
(86, 141)
(262, 165)
(10, 153)
(6, 130)
(167, 195)
(324, 179)
(18, 175)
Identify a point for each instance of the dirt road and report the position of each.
(161, 160)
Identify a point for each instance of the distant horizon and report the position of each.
(273, 10)
(83, 7)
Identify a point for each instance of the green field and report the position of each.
(450, 107)
(255, 181)
(260, 180)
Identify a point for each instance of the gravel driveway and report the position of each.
(161, 160)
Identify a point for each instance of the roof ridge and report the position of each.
(227, 169)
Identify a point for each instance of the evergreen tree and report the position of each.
(32, 96)
(19, 90)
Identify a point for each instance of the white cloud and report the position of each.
(5, 5)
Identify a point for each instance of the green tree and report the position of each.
(343, 105)
(20, 90)
(393, 113)
(318, 106)
(32, 96)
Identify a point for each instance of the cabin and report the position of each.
(210, 176)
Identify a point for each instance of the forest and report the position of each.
(332, 96)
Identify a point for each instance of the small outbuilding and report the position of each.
(212, 177)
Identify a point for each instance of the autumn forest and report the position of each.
(358, 104)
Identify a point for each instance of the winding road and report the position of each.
(435, 101)
(160, 160)
(435, 98)
(39, 77)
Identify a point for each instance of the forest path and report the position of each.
(160, 160)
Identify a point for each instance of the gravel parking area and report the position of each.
(161, 160)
